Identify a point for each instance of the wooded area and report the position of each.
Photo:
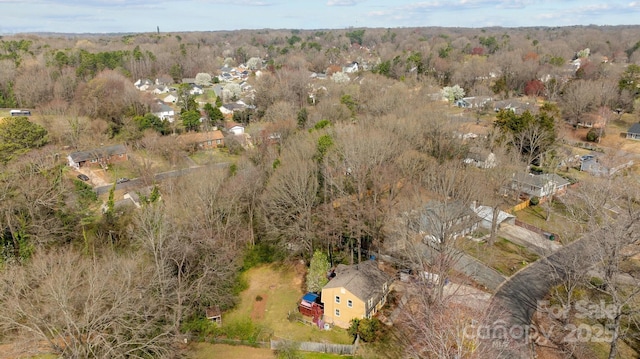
(383, 159)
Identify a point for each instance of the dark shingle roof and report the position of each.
(363, 280)
(635, 128)
(97, 153)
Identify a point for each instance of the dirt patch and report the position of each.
(19, 350)
(259, 307)
(301, 271)
(210, 351)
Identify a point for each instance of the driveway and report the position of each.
(533, 241)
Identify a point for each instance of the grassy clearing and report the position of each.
(504, 256)
(211, 156)
(274, 291)
(557, 223)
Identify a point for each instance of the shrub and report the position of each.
(534, 201)
(369, 330)
(262, 253)
(259, 298)
(593, 135)
(596, 282)
(288, 350)
(201, 327)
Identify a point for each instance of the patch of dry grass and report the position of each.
(280, 288)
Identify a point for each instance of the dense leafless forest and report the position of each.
(333, 157)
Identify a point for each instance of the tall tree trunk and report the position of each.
(613, 352)
(494, 225)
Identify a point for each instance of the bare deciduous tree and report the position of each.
(83, 307)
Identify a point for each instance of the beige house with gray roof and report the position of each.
(356, 291)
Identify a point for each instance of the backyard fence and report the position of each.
(520, 206)
(339, 349)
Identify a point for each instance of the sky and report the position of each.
(135, 16)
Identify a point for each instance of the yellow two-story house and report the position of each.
(356, 291)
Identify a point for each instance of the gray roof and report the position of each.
(97, 153)
(635, 128)
(364, 280)
(541, 180)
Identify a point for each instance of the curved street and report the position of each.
(516, 300)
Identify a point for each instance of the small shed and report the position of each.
(214, 314)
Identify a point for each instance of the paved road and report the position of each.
(516, 300)
(138, 182)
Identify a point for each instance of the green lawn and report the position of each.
(559, 221)
(279, 289)
(504, 256)
(205, 157)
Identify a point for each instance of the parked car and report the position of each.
(83, 177)
(122, 180)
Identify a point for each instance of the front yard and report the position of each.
(504, 256)
(559, 221)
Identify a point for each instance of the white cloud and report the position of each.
(342, 2)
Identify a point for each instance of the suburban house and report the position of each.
(473, 102)
(634, 132)
(164, 111)
(234, 128)
(171, 98)
(485, 213)
(143, 84)
(203, 140)
(160, 89)
(350, 68)
(598, 164)
(357, 291)
(517, 106)
(481, 160)
(230, 108)
(541, 186)
(98, 157)
(196, 90)
(436, 219)
(597, 119)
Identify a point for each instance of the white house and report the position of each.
(541, 186)
(196, 90)
(160, 89)
(351, 68)
(164, 112)
(235, 128)
(170, 99)
(143, 84)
